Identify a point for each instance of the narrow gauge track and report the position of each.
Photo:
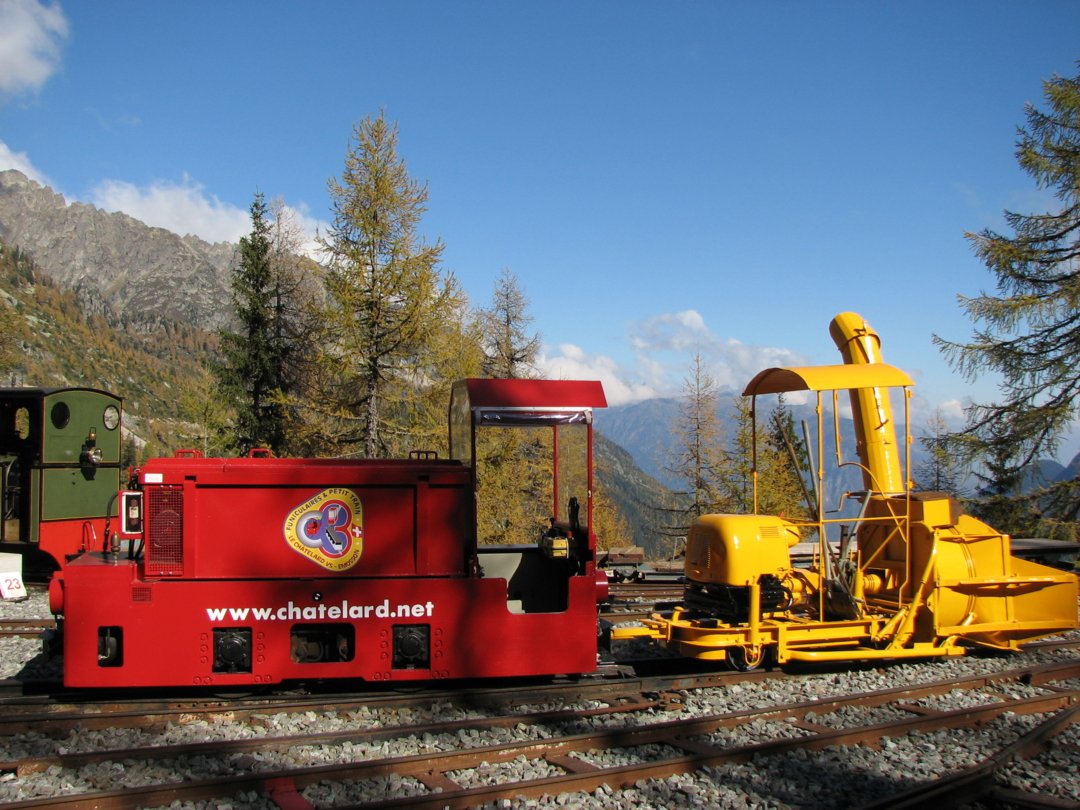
(646, 591)
(633, 601)
(613, 741)
(616, 685)
(57, 712)
(626, 612)
(25, 627)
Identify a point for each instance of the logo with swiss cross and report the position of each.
(328, 529)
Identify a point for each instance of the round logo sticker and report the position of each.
(328, 529)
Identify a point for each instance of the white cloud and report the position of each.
(187, 208)
(20, 161)
(953, 412)
(31, 36)
(309, 228)
(672, 331)
(573, 363)
(671, 339)
(663, 346)
(183, 208)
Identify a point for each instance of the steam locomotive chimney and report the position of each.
(875, 432)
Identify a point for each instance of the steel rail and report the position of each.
(25, 627)
(94, 710)
(95, 714)
(970, 784)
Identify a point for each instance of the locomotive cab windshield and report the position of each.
(531, 438)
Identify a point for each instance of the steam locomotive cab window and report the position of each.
(60, 415)
(21, 424)
(110, 417)
(15, 461)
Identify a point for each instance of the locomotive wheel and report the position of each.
(747, 659)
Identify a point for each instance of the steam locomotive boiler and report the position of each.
(259, 570)
(908, 575)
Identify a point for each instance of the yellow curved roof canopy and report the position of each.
(826, 378)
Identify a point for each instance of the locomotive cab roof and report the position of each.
(518, 403)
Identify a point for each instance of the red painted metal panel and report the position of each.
(570, 394)
(62, 538)
(254, 518)
(471, 630)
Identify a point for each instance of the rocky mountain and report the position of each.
(133, 275)
(49, 340)
(642, 500)
(1071, 471)
(644, 429)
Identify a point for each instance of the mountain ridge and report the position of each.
(134, 275)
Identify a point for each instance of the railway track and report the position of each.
(599, 739)
(25, 627)
(55, 715)
(634, 601)
(646, 591)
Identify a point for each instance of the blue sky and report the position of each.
(660, 177)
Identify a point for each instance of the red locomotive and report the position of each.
(259, 570)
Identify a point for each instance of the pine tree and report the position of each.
(698, 457)
(784, 468)
(610, 526)
(205, 426)
(387, 299)
(294, 291)
(454, 353)
(515, 472)
(941, 471)
(249, 375)
(509, 347)
(999, 498)
(1030, 333)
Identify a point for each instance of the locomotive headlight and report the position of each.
(90, 457)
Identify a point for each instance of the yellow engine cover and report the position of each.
(738, 549)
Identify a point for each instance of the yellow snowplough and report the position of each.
(908, 576)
